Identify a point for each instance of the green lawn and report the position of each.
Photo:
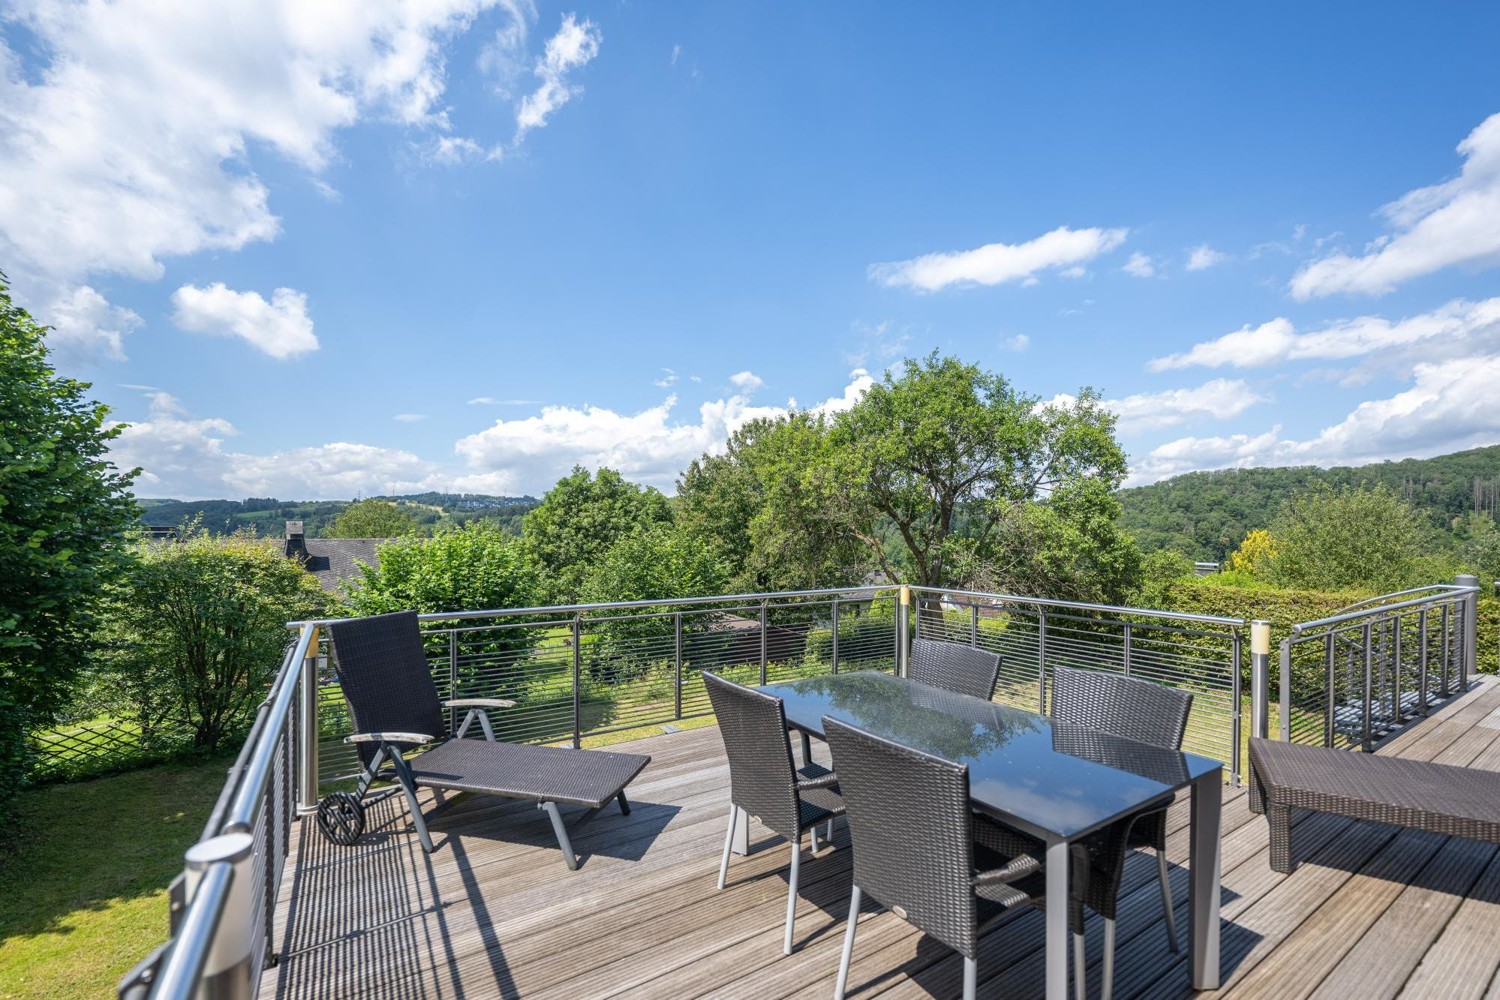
(84, 886)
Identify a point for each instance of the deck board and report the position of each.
(1371, 912)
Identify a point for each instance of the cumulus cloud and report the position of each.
(530, 454)
(1018, 344)
(1203, 257)
(86, 328)
(128, 140)
(1453, 223)
(1140, 265)
(1459, 326)
(280, 327)
(1217, 399)
(1062, 249)
(186, 457)
(668, 379)
(573, 47)
(409, 418)
(1447, 407)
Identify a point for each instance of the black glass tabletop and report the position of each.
(1044, 777)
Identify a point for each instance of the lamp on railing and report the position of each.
(1260, 679)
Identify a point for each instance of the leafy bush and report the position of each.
(197, 632)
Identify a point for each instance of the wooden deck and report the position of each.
(1372, 912)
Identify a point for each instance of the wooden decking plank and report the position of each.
(1381, 962)
(1463, 959)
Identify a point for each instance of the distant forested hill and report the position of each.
(1206, 514)
(268, 515)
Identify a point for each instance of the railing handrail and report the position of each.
(847, 593)
(1375, 601)
(258, 769)
(1050, 602)
(1450, 592)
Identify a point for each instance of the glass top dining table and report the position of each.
(1055, 781)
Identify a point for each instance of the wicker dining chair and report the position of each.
(1147, 713)
(915, 850)
(954, 666)
(765, 783)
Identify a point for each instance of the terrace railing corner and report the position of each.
(1351, 679)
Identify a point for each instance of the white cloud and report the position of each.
(574, 45)
(1218, 399)
(668, 379)
(280, 328)
(1190, 454)
(1140, 265)
(86, 328)
(409, 418)
(452, 150)
(185, 457)
(1203, 257)
(676, 54)
(530, 454)
(1459, 326)
(1453, 223)
(997, 263)
(492, 401)
(1017, 344)
(129, 140)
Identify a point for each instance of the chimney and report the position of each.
(296, 545)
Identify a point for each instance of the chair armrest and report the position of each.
(389, 738)
(822, 781)
(1019, 867)
(479, 703)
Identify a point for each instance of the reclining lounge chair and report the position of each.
(396, 711)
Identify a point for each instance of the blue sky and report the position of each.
(346, 249)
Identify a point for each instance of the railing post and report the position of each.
(1237, 698)
(1260, 679)
(1422, 661)
(1041, 659)
(974, 624)
(453, 677)
(677, 661)
(577, 681)
(1286, 690)
(1468, 663)
(307, 733)
(1369, 688)
(835, 635)
(903, 630)
(764, 621)
(1127, 650)
(226, 971)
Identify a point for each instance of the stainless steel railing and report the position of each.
(1353, 678)
(1200, 653)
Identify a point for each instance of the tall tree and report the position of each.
(1364, 538)
(580, 519)
(64, 514)
(373, 519)
(954, 458)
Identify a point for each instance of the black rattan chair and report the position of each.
(954, 666)
(1136, 710)
(915, 850)
(394, 703)
(764, 782)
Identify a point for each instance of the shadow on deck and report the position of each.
(1375, 911)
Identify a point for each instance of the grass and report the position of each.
(85, 885)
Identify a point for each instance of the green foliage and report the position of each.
(579, 520)
(1479, 550)
(763, 515)
(974, 474)
(1160, 571)
(1348, 539)
(654, 562)
(472, 568)
(374, 519)
(197, 632)
(1255, 555)
(1206, 514)
(64, 510)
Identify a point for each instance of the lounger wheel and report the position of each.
(341, 818)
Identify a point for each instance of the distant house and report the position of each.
(331, 560)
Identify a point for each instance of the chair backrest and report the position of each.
(385, 677)
(954, 666)
(1123, 706)
(909, 823)
(762, 777)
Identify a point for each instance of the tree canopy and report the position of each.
(374, 519)
(579, 520)
(64, 516)
(1348, 539)
(475, 567)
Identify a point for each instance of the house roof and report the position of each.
(333, 560)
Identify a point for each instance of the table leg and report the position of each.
(1203, 899)
(740, 841)
(1057, 920)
